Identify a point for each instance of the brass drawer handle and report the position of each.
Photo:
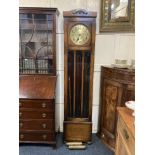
(43, 105)
(126, 134)
(44, 115)
(20, 114)
(20, 104)
(44, 125)
(44, 136)
(21, 125)
(21, 136)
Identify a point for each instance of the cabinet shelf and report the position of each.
(25, 42)
(36, 29)
(31, 19)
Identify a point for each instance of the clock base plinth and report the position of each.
(77, 131)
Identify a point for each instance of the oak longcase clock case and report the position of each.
(79, 46)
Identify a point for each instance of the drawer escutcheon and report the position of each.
(21, 136)
(44, 136)
(43, 115)
(21, 125)
(43, 105)
(20, 104)
(44, 125)
(20, 114)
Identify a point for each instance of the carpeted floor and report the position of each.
(96, 148)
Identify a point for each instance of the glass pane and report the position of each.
(78, 83)
(36, 41)
(71, 84)
(86, 83)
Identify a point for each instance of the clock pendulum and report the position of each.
(79, 47)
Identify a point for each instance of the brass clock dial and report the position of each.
(79, 34)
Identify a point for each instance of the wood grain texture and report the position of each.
(77, 131)
(37, 109)
(37, 86)
(126, 116)
(37, 91)
(125, 141)
(117, 87)
(78, 76)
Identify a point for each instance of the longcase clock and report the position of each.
(79, 46)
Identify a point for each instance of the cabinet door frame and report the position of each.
(118, 103)
(54, 14)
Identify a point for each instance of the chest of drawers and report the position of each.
(37, 109)
(125, 141)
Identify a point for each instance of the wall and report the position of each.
(109, 46)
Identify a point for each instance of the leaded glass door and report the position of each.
(37, 43)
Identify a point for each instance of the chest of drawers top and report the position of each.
(37, 86)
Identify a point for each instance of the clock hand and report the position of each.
(77, 39)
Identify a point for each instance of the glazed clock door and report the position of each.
(78, 84)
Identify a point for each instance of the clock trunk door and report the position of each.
(78, 83)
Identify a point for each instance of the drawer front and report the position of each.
(33, 114)
(34, 136)
(84, 130)
(37, 104)
(37, 125)
(126, 135)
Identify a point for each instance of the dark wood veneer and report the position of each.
(37, 79)
(78, 77)
(37, 109)
(37, 87)
(117, 87)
